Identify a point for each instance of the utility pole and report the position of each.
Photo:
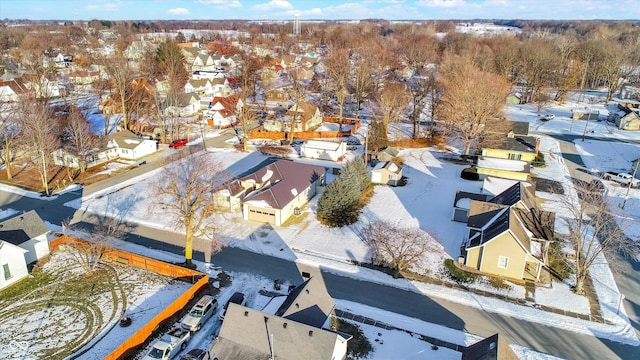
(633, 176)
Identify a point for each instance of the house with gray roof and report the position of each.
(509, 235)
(298, 329)
(510, 140)
(29, 232)
(24, 239)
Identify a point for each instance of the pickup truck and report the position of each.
(622, 178)
(169, 345)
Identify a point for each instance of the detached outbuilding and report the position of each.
(388, 173)
(323, 150)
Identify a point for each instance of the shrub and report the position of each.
(470, 174)
(498, 283)
(458, 274)
(357, 348)
(557, 262)
(538, 161)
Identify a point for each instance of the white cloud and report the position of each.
(274, 5)
(179, 11)
(221, 3)
(441, 3)
(105, 6)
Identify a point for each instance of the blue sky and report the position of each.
(317, 9)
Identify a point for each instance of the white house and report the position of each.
(63, 157)
(323, 150)
(14, 266)
(126, 145)
(222, 111)
(28, 232)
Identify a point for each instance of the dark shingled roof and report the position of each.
(287, 180)
(308, 303)
(499, 214)
(22, 228)
(517, 192)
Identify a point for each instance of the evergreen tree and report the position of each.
(358, 168)
(338, 204)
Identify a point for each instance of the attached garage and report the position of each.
(261, 214)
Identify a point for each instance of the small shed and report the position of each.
(323, 150)
(388, 172)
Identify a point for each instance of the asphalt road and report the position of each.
(541, 338)
(626, 269)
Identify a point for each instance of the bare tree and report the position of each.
(593, 231)
(9, 135)
(397, 248)
(185, 191)
(80, 140)
(539, 63)
(389, 103)
(471, 97)
(247, 121)
(105, 229)
(120, 76)
(39, 136)
(364, 68)
(338, 68)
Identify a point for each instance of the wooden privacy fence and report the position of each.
(118, 257)
(260, 133)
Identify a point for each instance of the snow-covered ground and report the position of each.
(426, 202)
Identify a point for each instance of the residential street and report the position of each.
(628, 269)
(541, 338)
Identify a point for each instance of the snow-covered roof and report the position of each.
(503, 164)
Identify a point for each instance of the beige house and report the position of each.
(274, 192)
(508, 235)
(626, 119)
(388, 173)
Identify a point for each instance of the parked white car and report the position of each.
(200, 313)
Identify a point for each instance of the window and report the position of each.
(515, 156)
(503, 262)
(7, 271)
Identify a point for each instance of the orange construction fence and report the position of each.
(119, 257)
(260, 133)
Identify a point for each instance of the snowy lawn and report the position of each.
(70, 308)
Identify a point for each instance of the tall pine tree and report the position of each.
(339, 203)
